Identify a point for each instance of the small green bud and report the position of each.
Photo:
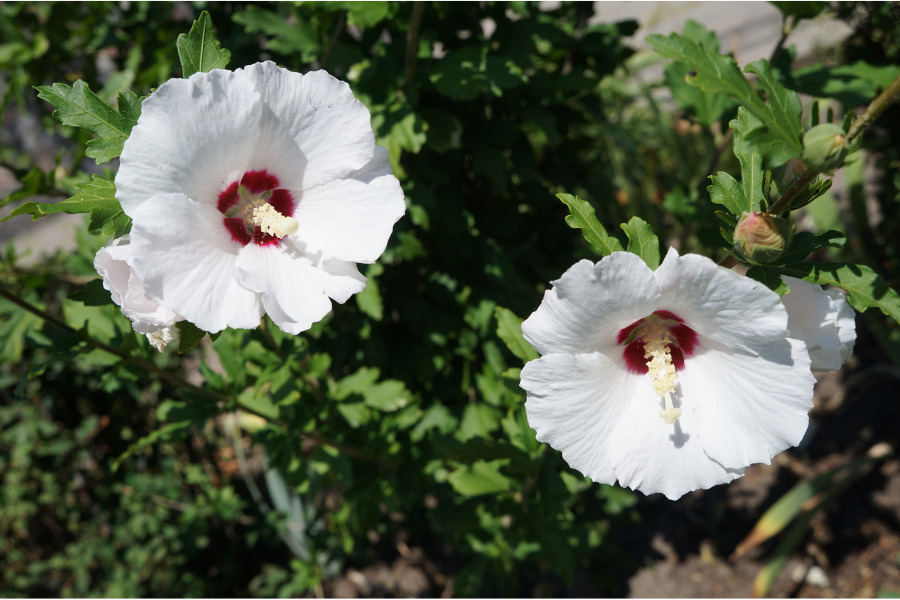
(824, 147)
(761, 237)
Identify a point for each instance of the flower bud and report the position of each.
(824, 147)
(761, 237)
(785, 175)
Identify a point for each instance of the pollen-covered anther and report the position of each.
(661, 369)
(260, 213)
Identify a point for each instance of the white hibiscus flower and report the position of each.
(127, 290)
(665, 381)
(824, 320)
(255, 191)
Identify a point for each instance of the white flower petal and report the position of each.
(194, 137)
(720, 304)
(825, 321)
(605, 422)
(127, 289)
(846, 323)
(330, 126)
(747, 408)
(294, 291)
(352, 218)
(590, 303)
(186, 258)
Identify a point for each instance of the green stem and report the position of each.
(412, 41)
(864, 120)
(180, 382)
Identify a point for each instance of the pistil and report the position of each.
(661, 369)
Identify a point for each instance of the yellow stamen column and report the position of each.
(662, 370)
(259, 212)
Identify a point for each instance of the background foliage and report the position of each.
(399, 417)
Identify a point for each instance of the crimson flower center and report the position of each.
(257, 210)
(682, 339)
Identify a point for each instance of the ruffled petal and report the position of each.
(294, 291)
(823, 320)
(186, 259)
(605, 422)
(747, 408)
(331, 128)
(127, 289)
(720, 304)
(590, 303)
(846, 323)
(653, 457)
(574, 402)
(194, 136)
(352, 218)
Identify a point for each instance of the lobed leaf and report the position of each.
(784, 138)
(583, 217)
(199, 51)
(78, 106)
(752, 173)
(865, 288)
(642, 241)
(725, 190)
(780, 137)
(97, 198)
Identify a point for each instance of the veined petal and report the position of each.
(604, 421)
(748, 408)
(194, 136)
(331, 128)
(574, 403)
(294, 291)
(824, 321)
(186, 259)
(127, 289)
(720, 304)
(352, 218)
(586, 306)
(654, 457)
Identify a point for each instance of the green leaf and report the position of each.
(481, 478)
(583, 217)
(804, 243)
(725, 190)
(92, 294)
(387, 396)
(297, 38)
(865, 287)
(707, 107)
(752, 173)
(770, 278)
(189, 335)
(642, 241)
(258, 400)
(479, 420)
(78, 106)
(509, 329)
(785, 132)
(33, 183)
(714, 73)
(369, 300)
(199, 51)
(97, 197)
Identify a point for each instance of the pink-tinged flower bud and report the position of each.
(824, 147)
(761, 237)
